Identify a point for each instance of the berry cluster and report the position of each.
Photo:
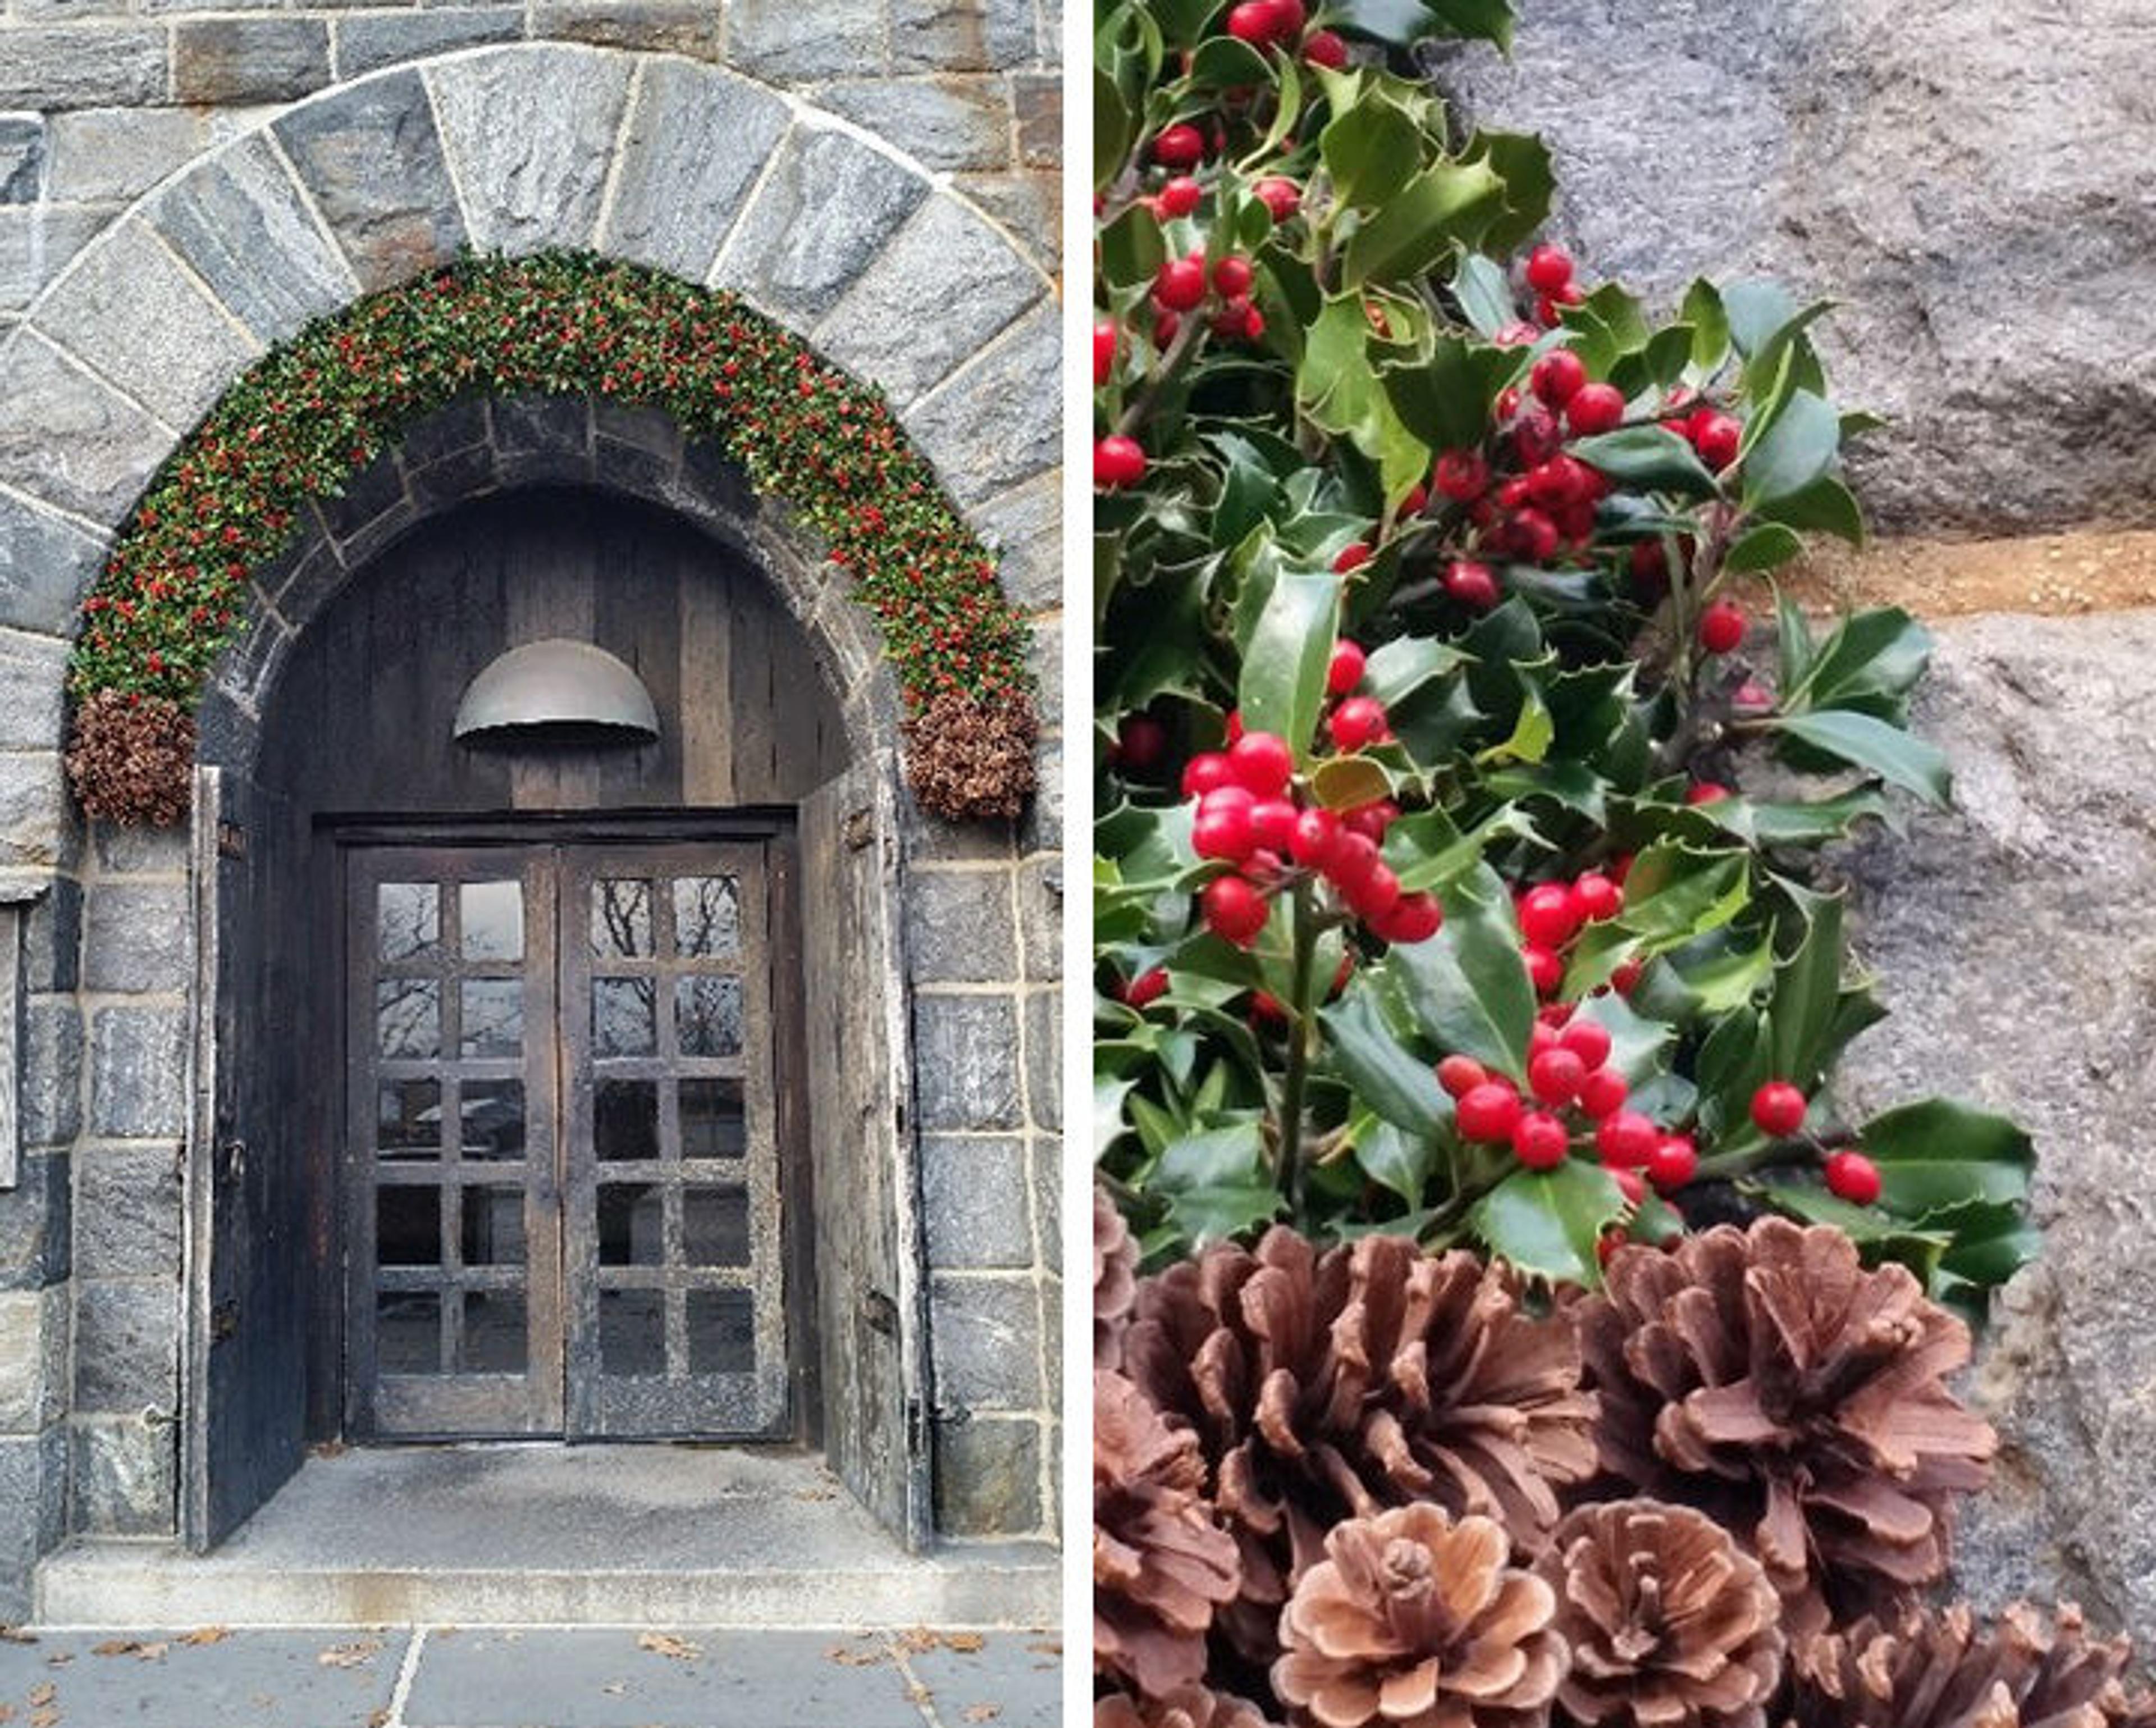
(1779, 1110)
(1551, 914)
(1284, 24)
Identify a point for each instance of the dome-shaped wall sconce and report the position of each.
(558, 691)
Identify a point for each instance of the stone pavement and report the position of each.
(500, 1677)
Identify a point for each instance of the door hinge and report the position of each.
(880, 1313)
(231, 841)
(859, 829)
(223, 1321)
(232, 1160)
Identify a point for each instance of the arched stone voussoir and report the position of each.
(69, 441)
(997, 420)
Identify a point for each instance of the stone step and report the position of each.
(554, 1536)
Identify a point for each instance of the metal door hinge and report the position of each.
(880, 1313)
(223, 1321)
(231, 841)
(232, 1160)
(859, 828)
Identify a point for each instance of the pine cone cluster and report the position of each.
(1192, 1707)
(1800, 1400)
(131, 760)
(1114, 1280)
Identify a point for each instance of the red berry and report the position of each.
(1674, 1162)
(1472, 584)
(1118, 461)
(1626, 979)
(1267, 1009)
(1232, 276)
(1373, 818)
(1283, 197)
(1324, 48)
(1255, 22)
(1233, 909)
(1549, 914)
(1722, 627)
(1460, 1075)
(1316, 834)
(1595, 408)
(1147, 988)
(1462, 475)
(1588, 1040)
(1140, 743)
(1558, 377)
(1598, 896)
(1358, 721)
(1263, 761)
(1180, 196)
(1556, 1075)
(1778, 1110)
(1536, 536)
(1717, 437)
(1345, 670)
(1650, 565)
(1179, 284)
(1375, 896)
(1354, 857)
(1487, 1114)
(1627, 1139)
(1853, 1177)
(1234, 724)
(1537, 436)
(1292, 18)
(1165, 324)
(1634, 1191)
(1179, 147)
(1272, 823)
(1603, 1093)
(1544, 969)
(1222, 826)
(1549, 268)
(1415, 917)
(1412, 505)
(1353, 556)
(1540, 1142)
(1549, 1021)
(1103, 351)
(1705, 792)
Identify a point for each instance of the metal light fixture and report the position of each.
(556, 690)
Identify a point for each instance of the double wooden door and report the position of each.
(562, 1165)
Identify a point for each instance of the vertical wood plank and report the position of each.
(704, 605)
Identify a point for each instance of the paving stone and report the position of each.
(123, 1482)
(51, 1097)
(828, 206)
(127, 1344)
(34, 827)
(1023, 528)
(22, 152)
(986, 1332)
(372, 158)
(46, 566)
(368, 42)
(137, 1072)
(530, 132)
(71, 441)
(961, 35)
(52, 938)
(974, 1203)
(271, 1678)
(127, 1209)
(988, 1476)
(802, 41)
(965, 1062)
(241, 223)
(946, 257)
(943, 122)
(32, 670)
(87, 65)
(996, 422)
(1014, 1680)
(960, 928)
(249, 59)
(696, 140)
(38, 242)
(682, 27)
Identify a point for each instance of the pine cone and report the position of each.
(1332, 1386)
(1193, 1707)
(1114, 1280)
(1415, 1620)
(1670, 1625)
(1938, 1670)
(1798, 1399)
(1161, 1565)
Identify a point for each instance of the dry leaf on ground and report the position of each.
(352, 1655)
(664, 1643)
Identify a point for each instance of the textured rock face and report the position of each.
(2012, 942)
(1948, 169)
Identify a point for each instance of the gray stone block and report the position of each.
(1048, 1198)
(29, 1485)
(1043, 1058)
(34, 824)
(530, 133)
(961, 35)
(139, 940)
(457, 427)
(542, 425)
(242, 224)
(128, 1212)
(39, 241)
(1044, 660)
(681, 27)
(1037, 104)
(946, 257)
(46, 567)
(372, 158)
(450, 480)
(70, 439)
(33, 671)
(247, 674)
(51, 1097)
(373, 40)
(998, 421)
(1023, 528)
(945, 122)
(127, 1344)
(22, 152)
(986, 1343)
(1026, 204)
(52, 938)
(803, 41)
(249, 59)
(987, 1476)
(696, 139)
(125, 1479)
(828, 206)
(961, 927)
(132, 850)
(974, 1202)
(1040, 830)
(117, 154)
(34, 1358)
(1041, 918)
(138, 1072)
(966, 1063)
(87, 65)
(35, 1233)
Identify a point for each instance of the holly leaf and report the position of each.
(1394, 1158)
(1282, 687)
(1215, 1182)
(1548, 1223)
(1896, 757)
(1467, 987)
(1651, 457)
(1382, 1073)
(1446, 204)
(1938, 1155)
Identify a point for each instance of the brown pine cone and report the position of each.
(1161, 1565)
(1114, 1280)
(1334, 1386)
(1415, 1620)
(1801, 1400)
(1193, 1707)
(1670, 1624)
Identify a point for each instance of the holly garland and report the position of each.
(318, 409)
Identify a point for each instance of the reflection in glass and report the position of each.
(707, 1014)
(632, 1224)
(408, 1119)
(625, 1120)
(632, 1332)
(408, 921)
(706, 915)
(493, 1119)
(713, 1226)
(407, 1018)
(721, 1332)
(714, 1119)
(407, 1227)
(494, 1332)
(623, 1018)
(493, 1016)
(621, 920)
(492, 914)
(493, 1233)
(407, 1331)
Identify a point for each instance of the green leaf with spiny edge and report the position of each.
(1445, 398)
(1371, 150)
(1131, 248)
(1703, 311)
(1282, 689)
(1757, 310)
(1765, 545)
(1403, 666)
(1792, 642)
(1826, 507)
(1484, 294)
(1736, 1060)
(1638, 1046)
(1814, 824)
(1467, 987)
(1938, 1155)
(1396, 1160)
(1807, 984)
(1380, 1072)
(1115, 132)
(1475, 20)
(1343, 782)
(1547, 1224)
(1447, 203)
(1896, 757)
(1522, 162)
(1109, 1124)
(1649, 457)
(1721, 970)
(1533, 732)
(1228, 63)
(1797, 452)
(1872, 662)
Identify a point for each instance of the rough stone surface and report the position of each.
(695, 141)
(959, 927)
(38, 242)
(965, 1062)
(115, 154)
(531, 134)
(140, 938)
(973, 1194)
(799, 41)
(370, 42)
(1024, 527)
(995, 423)
(69, 440)
(82, 66)
(46, 565)
(33, 1479)
(51, 1097)
(33, 815)
(32, 1333)
(22, 158)
(987, 1475)
(1946, 171)
(127, 1203)
(34, 1224)
(138, 1067)
(52, 938)
(31, 669)
(684, 27)
(257, 59)
(1043, 1058)
(125, 1477)
(127, 1344)
(1025, 205)
(944, 122)
(2051, 844)
(373, 162)
(963, 35)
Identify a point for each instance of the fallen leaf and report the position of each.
(207, 1635)
(115, 1647)
(1047, 1647)
(43, 1693)
(16, 1635)
(356, 1654)
(982, 1712)
(45, 1718)
(965, 1642)
(859, 1656)
(916, 1641)
(664, 1643)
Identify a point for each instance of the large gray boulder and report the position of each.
(1964, 175)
